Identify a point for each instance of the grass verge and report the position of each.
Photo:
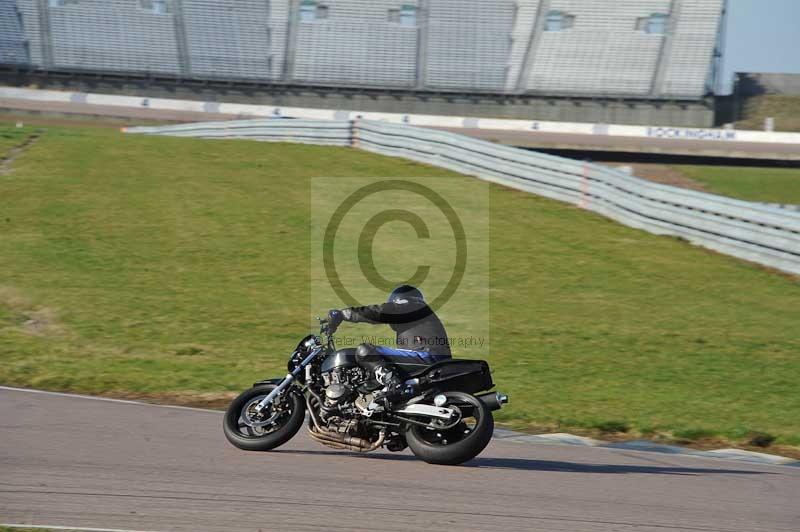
(145, 266)
(11, 137)
(783, 108)
(767, 185)
(22, 529)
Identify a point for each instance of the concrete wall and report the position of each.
(678, 114)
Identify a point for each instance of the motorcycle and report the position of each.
(447, 419)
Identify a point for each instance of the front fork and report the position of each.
(286, 382)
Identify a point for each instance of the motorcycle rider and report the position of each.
(421, 339)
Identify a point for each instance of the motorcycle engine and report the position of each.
(341, 414)
(340, 385)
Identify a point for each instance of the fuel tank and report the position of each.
(343, 358)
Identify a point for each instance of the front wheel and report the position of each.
(458, 444)
(277, 424)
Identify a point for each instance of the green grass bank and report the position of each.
(145, 265)
(785, 109)
(766, 185)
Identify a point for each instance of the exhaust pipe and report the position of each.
(326, 442)
(493, 400)
(340, 441)
(351, 443)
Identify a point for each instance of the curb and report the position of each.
(560, 438)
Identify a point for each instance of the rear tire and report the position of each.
(423, 444)
(284, 428)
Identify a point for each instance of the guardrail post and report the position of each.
(584, 203)
(354, 133)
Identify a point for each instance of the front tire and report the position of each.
(288, 412)
(457, 445)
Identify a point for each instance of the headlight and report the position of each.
(311, 343)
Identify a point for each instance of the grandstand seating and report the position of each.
(694, 40)
(31, 27)
(12, 38)
(235, 38)
(521, 36)
(113, 35)
(357, 42)
(651, 49)
(469, 43)
(602, 52)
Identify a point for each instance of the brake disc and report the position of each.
(249, 411)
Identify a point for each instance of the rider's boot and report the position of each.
(394, 389)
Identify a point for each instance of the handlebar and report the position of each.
(324, 327)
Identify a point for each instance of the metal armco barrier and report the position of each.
(327, 132)
(751, 231)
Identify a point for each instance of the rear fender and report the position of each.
(469, 376)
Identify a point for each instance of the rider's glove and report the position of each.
(335, 318)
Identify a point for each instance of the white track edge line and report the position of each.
(78, 528)
(107, 399)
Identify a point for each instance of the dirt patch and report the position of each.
(662, 173)
(14, 299)
(44, 120)
(105, 114)
(212, 400)
(42, 322)
(711, 444)
(782, 450)
(8, 159)
(33, 320)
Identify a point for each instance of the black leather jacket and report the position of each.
(415, 323)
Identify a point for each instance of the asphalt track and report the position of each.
(80, 462)
(525, 139)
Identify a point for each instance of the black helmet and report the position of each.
(405, 293)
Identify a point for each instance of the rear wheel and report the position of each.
(277, 424)
(457, 444)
